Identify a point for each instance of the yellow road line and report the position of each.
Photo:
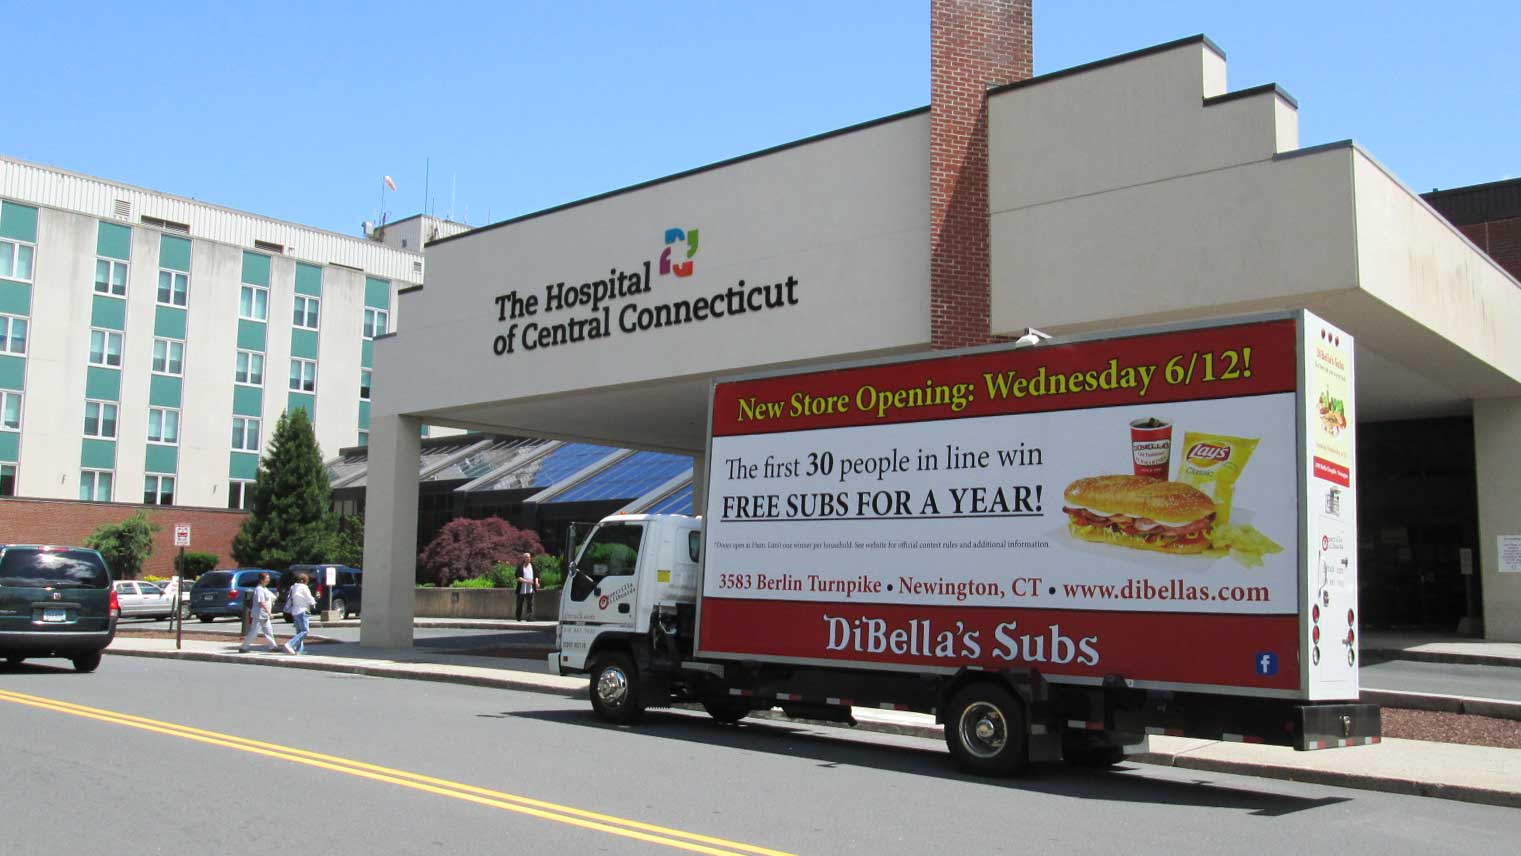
(443, 787)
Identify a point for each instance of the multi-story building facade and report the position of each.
(149, 343)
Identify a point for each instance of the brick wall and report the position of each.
(974, 44)
(1501, 239)
(55, 521)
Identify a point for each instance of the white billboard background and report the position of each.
(968, 560)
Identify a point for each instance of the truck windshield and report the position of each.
(612, 551)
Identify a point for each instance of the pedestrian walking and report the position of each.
(527, 584)
(299, 601)
(261, 603)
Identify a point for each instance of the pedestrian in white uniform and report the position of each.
(262, 603)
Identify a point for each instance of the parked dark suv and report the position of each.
(345, 595)
(55, 602)
(223, 592)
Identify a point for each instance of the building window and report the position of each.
(111, 277)
(303, 375)
(364, 384)
(376, 322)
(173, 288)
(250, 368)
(364, 438)
(16, 263)
(12, 334)
(158, 490)
(105, 348)
(100, 419)
(10, 411)
(163, 425)
(240, 495)
(305, 315)
(245, 434)
(95, 485)
(7, 479)
(253, 303)
(169, 357)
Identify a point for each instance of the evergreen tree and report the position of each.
(291, 519)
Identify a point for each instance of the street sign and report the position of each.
(182, 534)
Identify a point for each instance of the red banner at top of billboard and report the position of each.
(1188, 365)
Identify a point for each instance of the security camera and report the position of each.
(1031, 338)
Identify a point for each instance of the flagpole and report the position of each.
(381, 221)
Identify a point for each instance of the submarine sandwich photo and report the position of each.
(1141, 512)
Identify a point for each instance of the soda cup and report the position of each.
(1151, 447)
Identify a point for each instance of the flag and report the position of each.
(389, 183)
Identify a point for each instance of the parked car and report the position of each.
(223, 592)
(346, 593)
(144, 599)
(56, 602)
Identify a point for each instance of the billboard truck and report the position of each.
(1055, 550)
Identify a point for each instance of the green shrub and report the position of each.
(550, 570)
(126, 545)
(473, 582)
(503, 575)
(192, 565)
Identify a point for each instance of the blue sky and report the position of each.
(296, 110)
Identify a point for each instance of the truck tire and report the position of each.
(985, 731)
(726, 710)
(615, 689)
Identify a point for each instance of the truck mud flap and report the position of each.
(1332, 726)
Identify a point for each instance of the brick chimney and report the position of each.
(974, 44)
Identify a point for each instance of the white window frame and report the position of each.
(242, 490)
(259, 299)
(377, 322)
(170, 346)
(98, 431)
(174, 277)
(366, 384)
(110, 282)
(158, 479)
(249, 372)
(8, 324)
(95, 484)
(105, 353)
(7, 396)
(246, 421)
(303, 375)
(306, 308)
(167, 416)
(10, 255)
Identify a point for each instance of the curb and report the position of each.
(1497, 708)
(1384, 655)
(1360, 781)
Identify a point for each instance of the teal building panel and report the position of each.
(308, 280)
(10, 447)
(367, 354)
(247, 401)
(244, 465)
(108, 312)
(174, 253)
(364, 416)
(303, 343)
(12, 372)
(98, 454)
(18, 222)
(164, 391)
(377, 292)
(15, 298)
(303, 400)
(103, 383)
(162, 460)
(255, 268)
(113, 241)
(169, 322)
(252, 334)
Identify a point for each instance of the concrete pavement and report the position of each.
(1467, 773)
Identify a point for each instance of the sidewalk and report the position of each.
(1425, 647)
(1467, 773)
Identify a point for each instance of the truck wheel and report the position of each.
(726, 710)
(985, 731)
(615, 689)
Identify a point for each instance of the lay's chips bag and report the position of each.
(1212, 463)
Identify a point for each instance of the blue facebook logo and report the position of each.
(1266, 663)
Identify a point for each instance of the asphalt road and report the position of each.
(91, 781)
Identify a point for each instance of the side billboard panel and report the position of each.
(1126, 506)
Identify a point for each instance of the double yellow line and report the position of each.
(442, 787)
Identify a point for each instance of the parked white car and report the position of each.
(145, 600)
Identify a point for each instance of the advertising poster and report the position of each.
(1127, 506)
(1330, 642)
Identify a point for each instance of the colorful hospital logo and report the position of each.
(682, 245)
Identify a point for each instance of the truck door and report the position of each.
(602, 589)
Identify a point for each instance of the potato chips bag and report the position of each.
(1212, 463)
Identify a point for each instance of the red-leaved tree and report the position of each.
(465, 549)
